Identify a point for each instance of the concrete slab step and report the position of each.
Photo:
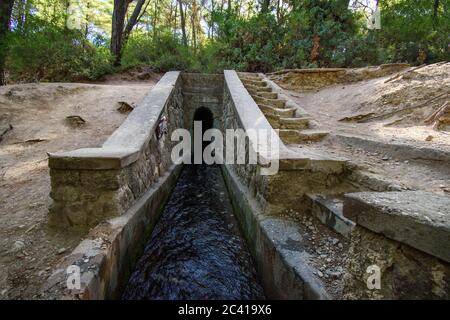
(255, 89)
(292, 136)
(250, 76)
(256, 83)
(294, 123)
(329, 210)
(285, 113)
(273, 119)
(267, 95)
(419, 219)
(276, 103)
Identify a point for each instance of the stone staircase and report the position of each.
(294, 127)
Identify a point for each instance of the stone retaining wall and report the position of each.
(202, 90)
(120, 190)
(91, 185)
(258, 199)
(406, 235)
(298, 173)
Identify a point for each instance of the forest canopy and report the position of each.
(69, 40)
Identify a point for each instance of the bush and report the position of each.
(164, 52)
(49, 53)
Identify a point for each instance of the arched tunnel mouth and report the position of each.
(206, 117)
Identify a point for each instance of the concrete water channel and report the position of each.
(154, 229)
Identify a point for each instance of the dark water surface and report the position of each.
(196, 251)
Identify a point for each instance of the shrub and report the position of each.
(49, 53)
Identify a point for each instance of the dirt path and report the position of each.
(37, 113)
(379, 96)
(401, 146)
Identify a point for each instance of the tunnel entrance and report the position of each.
(204, 115)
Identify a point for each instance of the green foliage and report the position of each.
(250, 45)
(50, 53)
(161, 50)
(411, 32)
(302, 34)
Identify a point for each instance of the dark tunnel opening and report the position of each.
(204, 115)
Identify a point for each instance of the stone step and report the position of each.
(292, 136)
(285, 113)
(267, 95)
(274, 120)
(249, 75)
(247, 78)
(275, 103)
(419, 219)
(254, 89)
(294, 123)
(329, 210)
(256, 83)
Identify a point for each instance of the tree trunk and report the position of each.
(5, 20)
(118, 23)
(194, 22)
(21, 9)
(155, 19)
(212, 21)
(175, 19)
(435, 12)
(133, 19)
(265, 6)
(183, 23)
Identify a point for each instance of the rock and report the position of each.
(62, 250)
(319, 273)
(429, 138)
(394, 187)
(17, 246)
(124, 107)
(385, 158)
(333, 274)
(410, 217)
(75, 121)
(144, 75)
(5, 129)
(340, 246)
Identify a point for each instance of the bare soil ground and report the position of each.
(33, 122)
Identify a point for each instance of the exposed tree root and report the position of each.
(404, 110)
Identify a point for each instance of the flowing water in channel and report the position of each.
(196, 251)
